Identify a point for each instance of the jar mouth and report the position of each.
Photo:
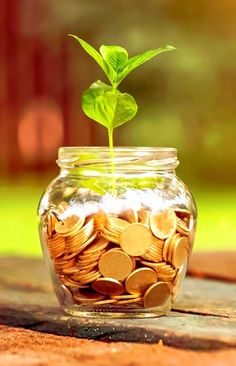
(123, 157)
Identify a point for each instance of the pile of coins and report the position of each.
(135, 259)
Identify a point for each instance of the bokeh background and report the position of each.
(186, 98)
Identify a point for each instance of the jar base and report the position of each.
(116, 314)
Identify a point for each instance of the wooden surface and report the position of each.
(23, 347)
(203, 318)
(214, 265)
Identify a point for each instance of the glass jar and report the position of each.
(117, 230)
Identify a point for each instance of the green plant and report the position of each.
(104, 103)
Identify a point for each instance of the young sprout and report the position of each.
(104, 103)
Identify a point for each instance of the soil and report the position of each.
(20, 347)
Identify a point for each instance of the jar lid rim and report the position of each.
(123, 157)
(121, 149)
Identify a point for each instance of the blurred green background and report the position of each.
(186, 99)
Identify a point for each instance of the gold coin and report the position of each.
(182, 227)
(56, 246)
(88, 277)
(87, 266)
(104, 302)
(163, 224)
(139, 280)
(98, 245)
(179, 278)
(115, 264)
(62, 262)
(129, 215)
(116, 225)
(144, 216)
(135, 239)
(183, 214)
(70, 225)
(130, 301)
(166, 247)
(87, 296)
(126, 297)
(157, 295)
(164, 271)
(180, 252)
(108, 286)
(76, 243)
(155, 251)
(100, 219)
(68, 281)
(71, 270)
(50, 221)
(86, 243)
(114, 238)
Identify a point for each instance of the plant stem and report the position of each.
(112, 155)
(110, 139)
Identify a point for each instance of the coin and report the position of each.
(87, 296)
(108, 286)
(88, 277)
(125, 297)
(135, 239)
(62, 262)
(182, 227)
(104, 302)
(56, 246)
(180, 252)
(83, 237)
(129, 215)
(156, 295)
(155, 251)
(144, 216)
(114, 238)
(71, 270)
(130, 301)
(139, 280)
(115, 264)
(166, 247)
(99, 244)
(179, 278)
(183, 214)
(70, 225)
(50, 222)
(116, 225)
(163, 223)
(100, 219)
(68, 281)
(164, 271)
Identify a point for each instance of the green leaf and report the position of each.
(138, 60)
(108, 106)
(93, 102)
(126, 109)
(115, 56)
(111, 74)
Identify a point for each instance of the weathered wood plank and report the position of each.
(215, 265)
(29, 302)
(20, 347)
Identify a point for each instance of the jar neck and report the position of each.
(97, 161)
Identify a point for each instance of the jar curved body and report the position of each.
(116, 237)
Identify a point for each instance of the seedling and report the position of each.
(104, 103)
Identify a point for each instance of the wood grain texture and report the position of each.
(214, 265)
(21, 347)
(204, 316)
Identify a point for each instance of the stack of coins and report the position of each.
(135, 259)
